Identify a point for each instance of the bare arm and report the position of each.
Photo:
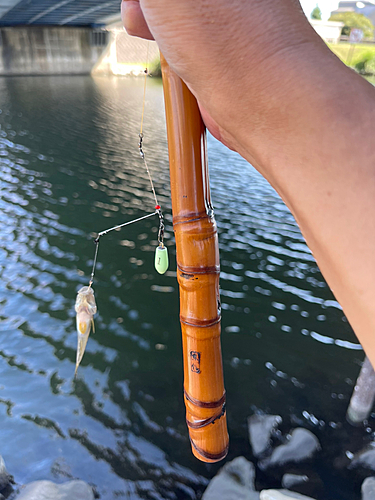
(269, 88)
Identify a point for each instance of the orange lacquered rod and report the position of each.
(198, 270)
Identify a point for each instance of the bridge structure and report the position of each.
(57, 12)
(54, 36)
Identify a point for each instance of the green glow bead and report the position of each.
(161, 259)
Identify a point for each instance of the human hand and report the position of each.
(219, 49)
(136, 25)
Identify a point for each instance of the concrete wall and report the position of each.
(49, 50)
(125, 54)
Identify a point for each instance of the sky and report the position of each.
(326, 6)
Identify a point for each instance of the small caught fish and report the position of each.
(85, 308)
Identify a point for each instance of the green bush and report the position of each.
(155, 68)
(370, 67)
(364, 62)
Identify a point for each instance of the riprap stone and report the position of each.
(260, 431)
(234, 481)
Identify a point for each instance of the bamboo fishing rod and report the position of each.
(198, 270)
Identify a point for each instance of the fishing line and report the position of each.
(141, 152)
(85, 305)
(161, 255)
(144, 89)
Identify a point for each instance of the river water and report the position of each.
(69, 167)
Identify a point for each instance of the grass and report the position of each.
(352, 54)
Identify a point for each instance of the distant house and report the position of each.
(367, 8)
(330, 31)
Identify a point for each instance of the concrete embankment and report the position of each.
(50, 50)
(126, 55)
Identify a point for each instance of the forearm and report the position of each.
(321, 160)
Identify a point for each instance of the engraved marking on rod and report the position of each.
(195, 361)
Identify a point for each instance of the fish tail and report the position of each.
(81, 346)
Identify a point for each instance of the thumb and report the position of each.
(133, 19)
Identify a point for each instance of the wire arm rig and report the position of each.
(119, 226)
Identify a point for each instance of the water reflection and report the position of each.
(69, 167)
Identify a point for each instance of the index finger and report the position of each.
(133, 19)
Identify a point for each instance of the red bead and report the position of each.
(157, 207)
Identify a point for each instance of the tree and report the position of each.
(354, 20)
(316, 13)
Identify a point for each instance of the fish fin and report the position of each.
(93, 325)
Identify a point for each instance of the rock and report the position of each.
(363, 396)
(234, 481)
(47, 490)
(301, 446)
(260, 430)
(290, 480)
(364, 458)
(5, 477)
(368, 488)
(282, 495)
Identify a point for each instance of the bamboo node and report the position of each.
(204, 404)
(199, 424)
(214, 457)
(189, 271)
(200, 323)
